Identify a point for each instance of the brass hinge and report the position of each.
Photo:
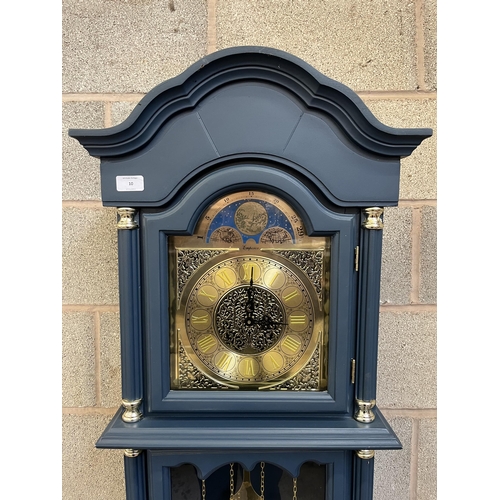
(356, 259)
(353, 371)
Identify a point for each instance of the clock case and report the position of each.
(250, 118)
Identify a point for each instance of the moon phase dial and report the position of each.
(249, 320)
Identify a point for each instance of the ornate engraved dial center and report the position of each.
(249, 319)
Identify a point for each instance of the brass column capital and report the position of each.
(126, 220)
(130, 453)
(373, 218)
(365, 454)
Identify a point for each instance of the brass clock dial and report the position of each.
(250, 319)
(248, 295)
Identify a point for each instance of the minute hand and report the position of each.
(250, 305)
(266, 321)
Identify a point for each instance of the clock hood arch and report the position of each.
(183, 213)
(251, 102)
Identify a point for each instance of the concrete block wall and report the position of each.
(116, 51)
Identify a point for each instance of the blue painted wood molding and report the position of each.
(252, 104)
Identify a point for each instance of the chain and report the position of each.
(231, 481)
(262, 464)
(203, 489)
(294, 488)
(231, 484)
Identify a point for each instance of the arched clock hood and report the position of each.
(252, 105)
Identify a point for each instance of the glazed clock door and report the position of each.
(248, 309)
(248, 299)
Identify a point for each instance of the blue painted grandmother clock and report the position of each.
(250, 192)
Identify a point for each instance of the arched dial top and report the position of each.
(250, 218)
(250, 319)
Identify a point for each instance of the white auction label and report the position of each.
(129, 183)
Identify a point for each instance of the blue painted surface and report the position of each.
(250, 118)
(244, 103)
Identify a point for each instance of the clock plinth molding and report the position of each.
(247, 120)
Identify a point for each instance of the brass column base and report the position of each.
(364, 413)
(132, 412)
